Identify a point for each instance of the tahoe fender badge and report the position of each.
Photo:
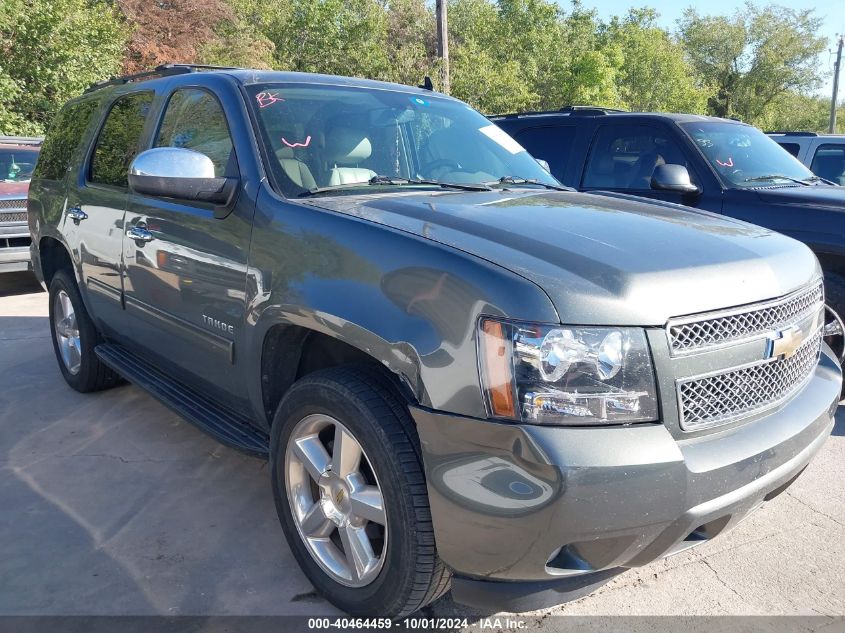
(217, 324)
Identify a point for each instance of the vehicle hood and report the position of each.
(602, 260)
(829, 196)
(13, 189)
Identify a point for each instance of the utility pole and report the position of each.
(443, 44)
(832, 127)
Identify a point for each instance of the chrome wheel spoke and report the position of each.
(358, 550)
(313, 456)
(346, 453)
(315, 524)
(336, 501)
(67, 332)
(368, 504)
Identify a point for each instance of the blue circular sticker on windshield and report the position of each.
(419, 101)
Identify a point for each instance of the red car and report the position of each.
(18, 156)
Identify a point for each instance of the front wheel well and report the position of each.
(291, 352)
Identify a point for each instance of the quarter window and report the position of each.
(552, 144)
(625, 158)
(120, 140)
(829, 163)
(792, 148)
(64, 136)
(194, 120)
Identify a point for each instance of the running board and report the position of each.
(221, 423)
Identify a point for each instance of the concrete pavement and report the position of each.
(110, 504)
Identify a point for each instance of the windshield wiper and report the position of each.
(516, 180)
(395, 180)
(819, 179)
(781, 176)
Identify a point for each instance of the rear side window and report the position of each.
(829, 163)
(195, 120)
(551, 144)
(792, 148)
(625, 157)
(63, 138)
(120, 140)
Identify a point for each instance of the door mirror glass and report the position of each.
(672, 178)
(183, 174)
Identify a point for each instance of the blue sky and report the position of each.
(832, 11)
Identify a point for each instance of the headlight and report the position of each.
(566, 375)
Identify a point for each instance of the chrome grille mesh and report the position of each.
(697, 333)
(714, 400)
(14, 203)
(15, 216)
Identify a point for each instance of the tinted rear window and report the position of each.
(792, 148)
(551, 144)
(63, 138)
(119, 141)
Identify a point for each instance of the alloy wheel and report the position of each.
(67, 332)
(336, 501)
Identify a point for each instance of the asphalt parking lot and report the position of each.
(112, 505)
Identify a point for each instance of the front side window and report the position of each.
(829, 163)
(349, 139)
(120, 140)
(195, 120)
(743, 156)
(625, 157)
(63, 138)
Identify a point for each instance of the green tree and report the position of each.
(528, 54)
(753, 57)
(50, 51)
(654, 76)
(342, 37)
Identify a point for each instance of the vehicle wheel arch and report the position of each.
(291, 351)
(54, 255)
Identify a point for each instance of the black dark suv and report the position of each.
(463, 374)
(719, 165)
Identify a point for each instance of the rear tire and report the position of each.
(75, 337)
(406, 573)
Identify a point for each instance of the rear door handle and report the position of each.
(139, 234)
(76, 214)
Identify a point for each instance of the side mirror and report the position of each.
(544, 164)
(183, 174)
(672, 178)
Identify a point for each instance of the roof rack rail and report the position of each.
(793, 133)
(22, 140)
(164, 70)
(571, 110)
(588, 109)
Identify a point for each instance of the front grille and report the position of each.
(15, 216)
(692, 334)
(721, 398)
(16, 203)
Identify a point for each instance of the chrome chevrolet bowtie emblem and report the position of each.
(785, 343)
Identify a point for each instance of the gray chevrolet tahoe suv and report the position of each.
(464, 375)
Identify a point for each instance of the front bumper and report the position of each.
(519, 503)
(14, 248)
(15, 259)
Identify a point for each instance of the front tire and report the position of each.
(350, 493)
(75, 337)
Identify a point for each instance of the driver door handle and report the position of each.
(76, 214)
(139, 234)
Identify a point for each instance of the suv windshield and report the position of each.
(744, 156)
(16, 165)
(345, 139)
